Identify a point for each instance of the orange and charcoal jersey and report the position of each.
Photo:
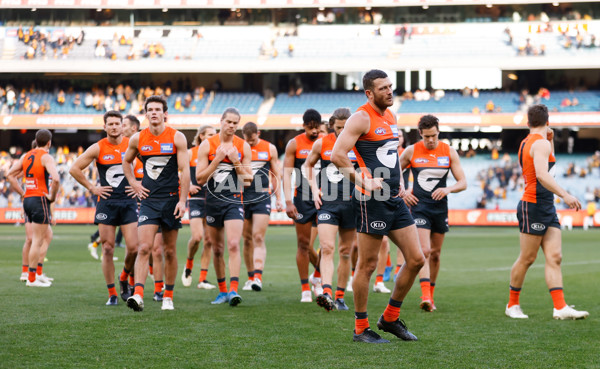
(201, 194)
(332, 183)
(430, 170)
(159, 158)
(261, 166)
(223, 183)
(37, 179)
(405, 170)
(377, 150)
(534, 191)
(110, 168)
(138, 169)
(303, 147)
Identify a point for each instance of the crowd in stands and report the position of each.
(123, 98)
(43, 44)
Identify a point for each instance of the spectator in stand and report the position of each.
(199, 93)
(439, 94)
(77, 101)
(489, 106)
(565, 103)
(475, 93)
(187, 101)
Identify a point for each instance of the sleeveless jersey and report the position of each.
(377, 150)
(334, 186)
(138, 169)
(406, 170)
(303, 148)
(534, 191)
(110, 168)
(201, 194)
(430, 170)
(37, 179)
(223, 184)
(159, 157)
(261, 166)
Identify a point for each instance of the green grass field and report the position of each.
(68, 326)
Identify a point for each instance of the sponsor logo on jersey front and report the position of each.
(378, 225)
(443, 161)
(327, 153)
(352, 155)
(380, 131)
(166, 148)
(304, 152)
(263, 155)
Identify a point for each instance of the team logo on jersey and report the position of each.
(378, 225)
(101, 216)
(147, 148)
(263, 155)
(351, 155)
(324, 216)
(195, 213)
(420, 221)
(166, 148)
(304, 152)
(380, 131)
(443, 161)
(143, 218)
(421, 160)
(108, 157)
(538, 227)
(210, 219)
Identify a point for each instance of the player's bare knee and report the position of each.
(555, 258)
(233, 246)
(170, 254)
(258, 239)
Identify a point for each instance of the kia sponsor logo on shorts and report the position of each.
(538, 227)
(195, 213)
(143, 218)
(324, 216)
(101, 216)
(299, 216)
(210, 219)
(378, 225)
(420, 221)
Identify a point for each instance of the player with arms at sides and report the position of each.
(257, 203)
(163, 151)
(224, 166)
(333, 201)
(115, 206)
(378, 204)
(538, 222)
(29, 234)
(430, 161)
(41, 187)
(197, 206)
(299, 204)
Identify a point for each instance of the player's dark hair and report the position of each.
(249, 129)
(537, 115)
(158, 99)
(133, 119)
(311, 118)
(230, 111)
(33, 145)
(201, 131)
(42, 137)
(428, 121)
(371, 76)
(339, 114)
(112, 113)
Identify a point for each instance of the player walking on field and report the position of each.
(224, 166)
(41, 187)
(378, 205)
(538, 222)
(163, 151)
(332, 195)
(430, 161)
(115, 207)
(257, 204)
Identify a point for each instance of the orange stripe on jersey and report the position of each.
(138, 169)
(215, 142)
(35, 175)
(303, 146)
(261, 151)
(194, 156)
(163, 144)
(425, 158)
(534, 191)
(111, 154)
